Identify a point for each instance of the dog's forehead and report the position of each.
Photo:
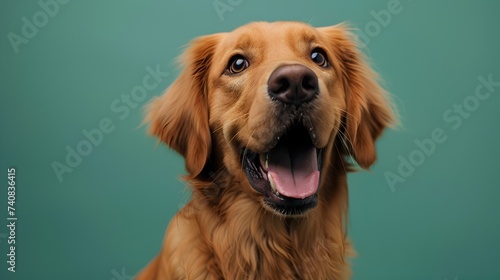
(261, 35)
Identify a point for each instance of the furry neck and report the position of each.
(249, 240)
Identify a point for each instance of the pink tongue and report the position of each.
(294, 171)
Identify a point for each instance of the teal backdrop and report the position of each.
(73, 70)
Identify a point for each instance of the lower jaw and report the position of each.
(291, 206)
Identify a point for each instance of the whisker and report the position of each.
(231, 121)
(217, 173)
(342, 161)
(348, 114)
(245, 149)
(343, 139)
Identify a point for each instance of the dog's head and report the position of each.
(270, 103)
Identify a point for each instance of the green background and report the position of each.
(107, 218)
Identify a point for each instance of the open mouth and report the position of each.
(288, 175)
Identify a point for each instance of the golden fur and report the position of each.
(225, 231)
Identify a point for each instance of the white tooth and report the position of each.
(267, 161)
(273, 186)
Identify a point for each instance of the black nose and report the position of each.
(293, 84)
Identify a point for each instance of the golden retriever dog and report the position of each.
(269, 118)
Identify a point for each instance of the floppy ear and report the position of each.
(180, 117)
(369, 110)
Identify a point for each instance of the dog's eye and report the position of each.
(319, 57)
(237, 64)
